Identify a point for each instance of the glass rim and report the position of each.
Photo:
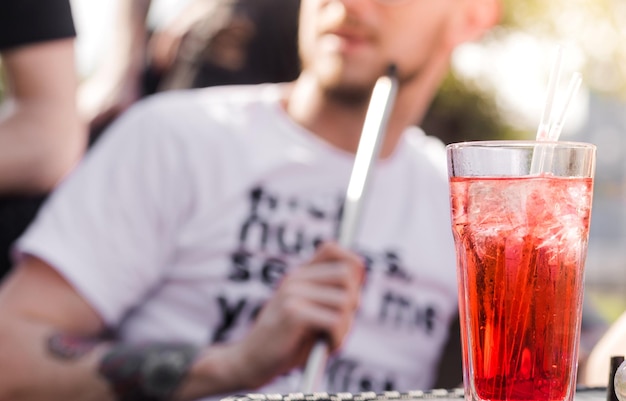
(524, 143)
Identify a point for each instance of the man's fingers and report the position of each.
(310, 318)
(331, 251)
(325, 296)
(338, 274)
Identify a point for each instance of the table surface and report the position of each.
(582, 394)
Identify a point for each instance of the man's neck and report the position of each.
(340, 123)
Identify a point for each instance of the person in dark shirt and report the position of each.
(41, 137)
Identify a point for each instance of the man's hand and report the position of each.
(319, 298)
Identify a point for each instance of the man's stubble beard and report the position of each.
(349, 96)
(358, 95)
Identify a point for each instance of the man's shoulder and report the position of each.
(224, 119)
(419, 141)
(220, 107)
(425, 148)
(216, 97)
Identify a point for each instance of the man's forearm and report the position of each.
(171, 371)
(31, 371)
(150, 372)
(57, 350)
(83, 369)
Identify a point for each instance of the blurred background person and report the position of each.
(41, 138)
(208, 43)
(613, 343)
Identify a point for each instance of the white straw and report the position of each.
(551, 125)
(553, 80)
(557, 126)
(374, 127)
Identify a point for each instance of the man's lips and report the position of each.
(350, 34)
(348, 39)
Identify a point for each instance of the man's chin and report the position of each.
(347, 88)
(353, 95)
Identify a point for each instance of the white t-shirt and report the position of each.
(178, 225)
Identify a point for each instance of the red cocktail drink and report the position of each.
(521, 244)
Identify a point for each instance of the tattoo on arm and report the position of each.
(70, 347)
(151, 372)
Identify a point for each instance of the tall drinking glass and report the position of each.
(521, 244)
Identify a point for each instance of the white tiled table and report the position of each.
(582, 394)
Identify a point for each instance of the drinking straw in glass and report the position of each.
(557, 126)
(551, 124)
(554, 78)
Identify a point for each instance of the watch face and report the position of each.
(163, 370)
(149, 372)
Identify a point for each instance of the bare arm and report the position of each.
(613, 343)
(41, 137)
(37, 304)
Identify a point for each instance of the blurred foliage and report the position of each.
(594, 28)
(463, 112)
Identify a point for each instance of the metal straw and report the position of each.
(374, 127)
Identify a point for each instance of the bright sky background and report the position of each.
(517, 70)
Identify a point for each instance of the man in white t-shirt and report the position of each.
(191, 255)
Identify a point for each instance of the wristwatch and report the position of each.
(150, 372)
(164, 368)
